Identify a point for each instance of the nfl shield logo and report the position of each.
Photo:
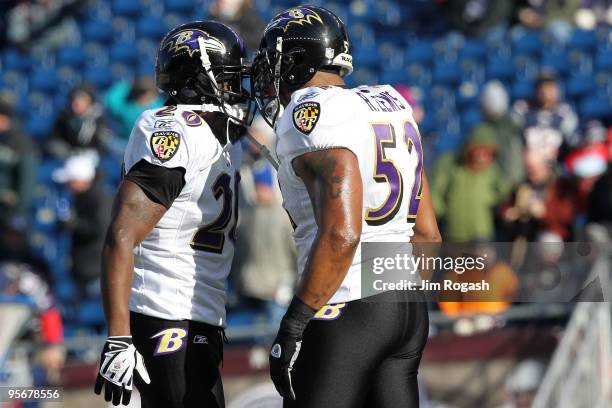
(305, 116)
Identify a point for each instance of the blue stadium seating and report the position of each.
(530, 43)
(151, 27)
(474, 49)
(13, 60)
(596, 108)
(44, 80)
(500, 68)
(420, 52)
(124, 52)
(397, 42)
(585, 40)
(603, 60)
(579, 85)
(126, 8)
(522, 89)
(556, 61)
(97, 31)
(99, 76)
(179, 6)
(72, 56)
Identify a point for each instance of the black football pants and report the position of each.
(182, 358)
(366, 356)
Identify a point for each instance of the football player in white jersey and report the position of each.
(170, 243)
(351, 171)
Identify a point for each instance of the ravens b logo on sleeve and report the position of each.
(305, 116)
(165, 144)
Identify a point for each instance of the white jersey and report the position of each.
(375, 123)
(181, 267)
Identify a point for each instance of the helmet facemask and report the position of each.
(272, 69)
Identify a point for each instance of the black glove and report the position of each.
(117, 363)
(286, 346)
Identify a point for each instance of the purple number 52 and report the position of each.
(387, 172)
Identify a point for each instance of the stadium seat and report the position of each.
(72, 56)
(90, 313)
(366, 57)
(179, 6)
(556, 61)
(446, 73)
(13, 60)
(361, 35)
(420, 52)
(603, 60)
(128, 8)
(363, 11)
(500, 68)
(470, 118)
(467, 94)
(529, 43)
(473, 49)
(394, 76)
(391, 55)
(99, 76)
(596, 108)
(44, 80)
(526, 67)
(579, 85)
(447, 142)
(585, 40)
(122, 52)
(471, 70)
(97, 31)
(39, 127)
(151, 27)
(522, 89)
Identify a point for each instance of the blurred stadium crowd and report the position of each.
(513, 99)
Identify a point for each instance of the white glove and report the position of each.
(117, 363)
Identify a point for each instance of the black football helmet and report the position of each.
(296, 44)
(204, 63)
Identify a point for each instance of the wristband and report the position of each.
(297, 317)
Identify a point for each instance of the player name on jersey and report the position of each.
(381, 102)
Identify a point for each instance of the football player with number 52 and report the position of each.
(351, 171)
(170, 243)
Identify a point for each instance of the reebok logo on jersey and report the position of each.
(164, 144)
(305, 116)
(164, 124)
(199, 339)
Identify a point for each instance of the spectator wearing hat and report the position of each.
(494, 105)
(466, 193)
(18, 166)
(548, 124)
(80, 127)
(89, 216)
